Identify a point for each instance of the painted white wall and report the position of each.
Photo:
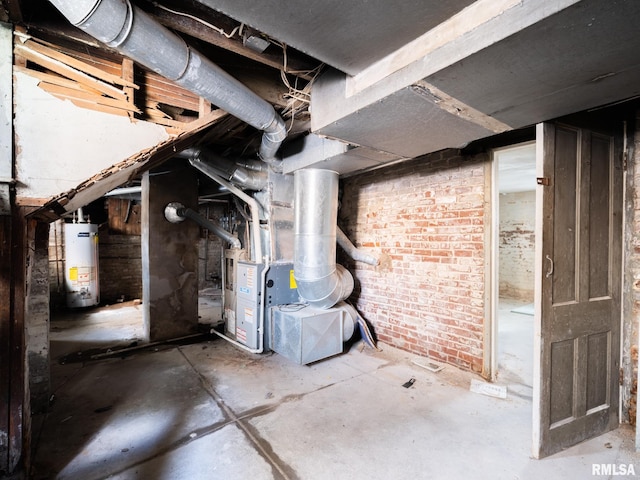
(6, 111)
(517, 245)
(59, 145)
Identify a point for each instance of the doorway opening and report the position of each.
(514, 200)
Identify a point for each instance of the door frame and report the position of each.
(491, 278)
(493, 244)
(536, 414)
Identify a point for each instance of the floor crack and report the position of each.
(264, 449)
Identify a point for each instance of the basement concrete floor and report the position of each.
(211, 411)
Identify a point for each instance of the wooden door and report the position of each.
(578, 294)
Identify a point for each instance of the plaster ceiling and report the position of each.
(348, 35)
(403, 79)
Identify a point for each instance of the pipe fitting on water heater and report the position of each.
(320, 281)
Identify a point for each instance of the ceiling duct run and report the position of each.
(130, 30)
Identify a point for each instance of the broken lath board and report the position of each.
(104, 85)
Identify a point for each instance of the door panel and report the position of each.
(579, 290)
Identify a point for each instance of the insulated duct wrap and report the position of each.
(135, 34)
(321, 282)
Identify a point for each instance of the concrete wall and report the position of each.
(517, 245)
(169, 255)
(427, 218)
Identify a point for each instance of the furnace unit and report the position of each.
(251, 312)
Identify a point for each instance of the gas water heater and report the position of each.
(81, 264)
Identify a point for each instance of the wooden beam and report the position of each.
(55, 79)
(126, 170)
(204, 108)
(85, 99)
(458, 108)
(6, 280)
(128, 73)
(479, 25)
(19, 412)
(200, 31)
(14, 9)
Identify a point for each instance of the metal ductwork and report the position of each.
(209, 171)
(321, 282)
(132, 32)
(175, 212)
(246, 176)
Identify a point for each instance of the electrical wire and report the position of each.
(292, 307)
(237, 30)
(298, 98)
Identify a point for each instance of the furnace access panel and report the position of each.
(280, 289)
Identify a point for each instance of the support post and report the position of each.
(169, 255)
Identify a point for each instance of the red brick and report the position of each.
(429, 218)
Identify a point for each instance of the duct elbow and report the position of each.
(320, 281)
(273, 136)
(251, 180)
(327, 291)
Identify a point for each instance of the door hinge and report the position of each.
(621, 380)
(625, 161)
(546, 181)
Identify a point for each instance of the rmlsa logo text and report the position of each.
(611, 469)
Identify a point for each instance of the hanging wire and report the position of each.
(237, 30)
(298, 98)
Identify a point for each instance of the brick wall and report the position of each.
(210, 249)
(120, 267)
(427, 218)
(56, 265)
(517, 245)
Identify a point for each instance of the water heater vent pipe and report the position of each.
(254, 208)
